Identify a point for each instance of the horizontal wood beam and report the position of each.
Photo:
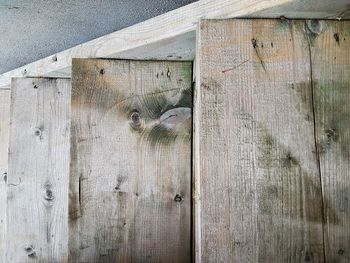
(172, 35)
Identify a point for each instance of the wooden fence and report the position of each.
(98, 168)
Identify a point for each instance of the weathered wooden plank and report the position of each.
(4, 136)
(167, 34)
(38, 177)
(130, 189)
(314, 9)
(330, 47)
(256, 163)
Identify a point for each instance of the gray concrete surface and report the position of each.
(33, 29)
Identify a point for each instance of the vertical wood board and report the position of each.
(130, 188)
(260, 191)
(37, 202)
(4, 137)
(330, 58)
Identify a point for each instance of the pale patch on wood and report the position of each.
(37, 181)
(130, 189)
(260, 194)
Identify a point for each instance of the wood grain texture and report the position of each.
(256, 162)
(130, 189)
(314, 9)
(158, 37)
(330, 56)
(4, 137)
(38, 177)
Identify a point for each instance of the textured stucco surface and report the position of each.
(33, 29)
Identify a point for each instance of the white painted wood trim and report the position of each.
(172, 34)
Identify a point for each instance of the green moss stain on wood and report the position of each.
(282, 165)
(330, 61)
(332, 102)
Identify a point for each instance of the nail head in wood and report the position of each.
(38, 132)
(254, 43)
(168, 73)
(5, 177)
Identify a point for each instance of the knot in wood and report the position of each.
(30, 251)
(332, 134)
(315, 26)
(308, 257)
(178, 198)
(135, 118)
(48, 195)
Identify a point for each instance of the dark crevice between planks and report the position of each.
(192, 191)
(312, 29)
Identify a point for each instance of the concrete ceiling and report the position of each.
(33, 29)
